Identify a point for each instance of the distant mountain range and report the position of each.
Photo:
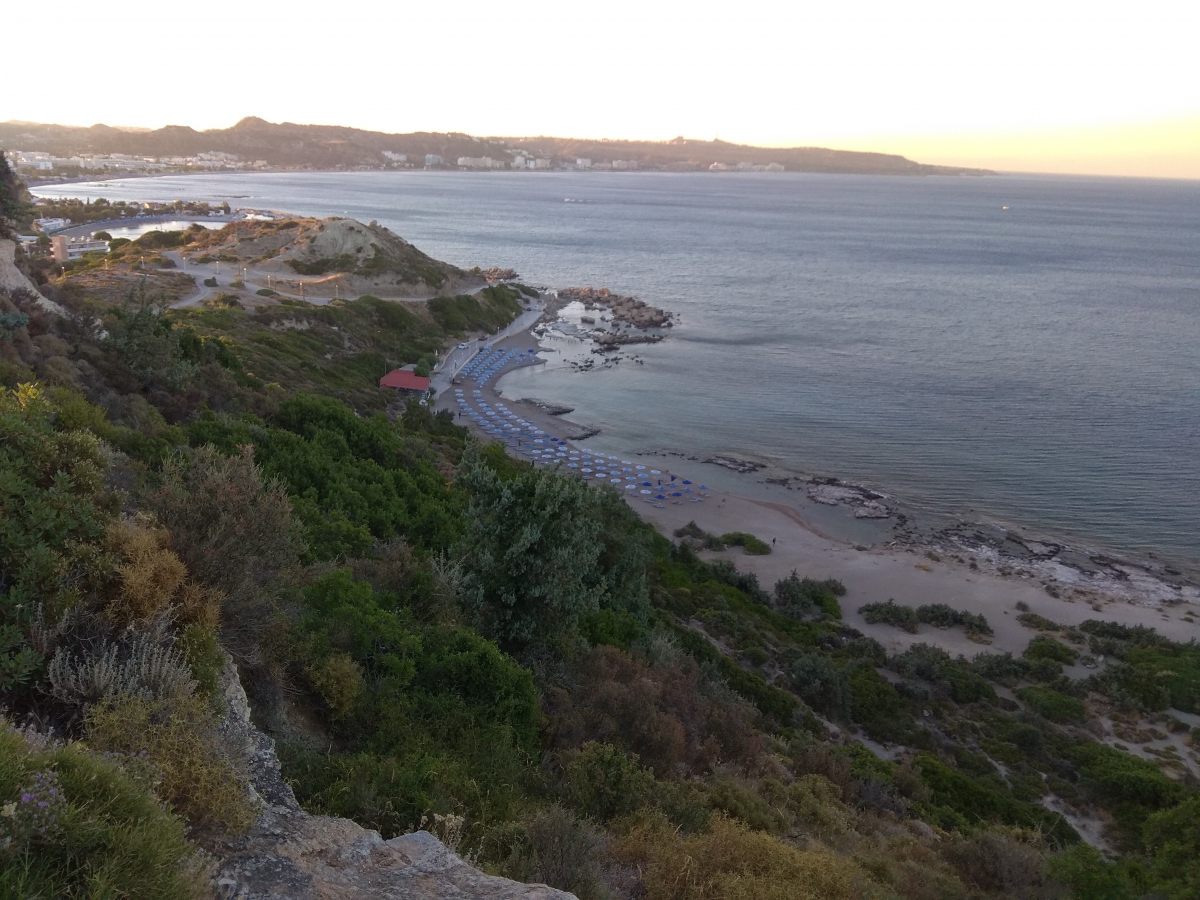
(287, 145)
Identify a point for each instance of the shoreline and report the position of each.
(912, 564)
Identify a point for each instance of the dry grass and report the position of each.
(152, 579)
(731, 862)
(197, 771)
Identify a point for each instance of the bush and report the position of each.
(706, 541)
(724, 571)
(339, 681)
(821, 685)
(942, 616)
(1052, 705)
(105, 834)
(233, 530)
(603, 782)
(797, 597)
(890, 613)
(196, 769)
(210, 282)
(753, 546)
(731, 861)
(1047, 648)
(1037, 623)
(1000, 667)
(560, 850)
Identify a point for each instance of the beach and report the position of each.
(823, 540)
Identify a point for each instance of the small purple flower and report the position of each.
(26, 797)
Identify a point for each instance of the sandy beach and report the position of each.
(913, 575)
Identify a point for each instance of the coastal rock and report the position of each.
(744, 466)
(872, 509)
(288, 853)
(866, 503)
(625, 310)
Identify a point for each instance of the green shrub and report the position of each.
(706, 540)
(942, 616)
(890, 613)
(204, 657)
(798, 597)
(1000, 667)
(1036, 622)
(603, 782)
(197, 770)
(105, 834)
(752, 545)
(1043, 647)
(821, 685)
(339, 681)
(1052, 705)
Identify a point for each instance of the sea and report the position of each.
(1011, 349)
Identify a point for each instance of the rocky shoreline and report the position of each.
(625, 310)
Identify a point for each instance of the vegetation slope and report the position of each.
(441, 636)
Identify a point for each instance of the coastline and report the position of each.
(978, 567)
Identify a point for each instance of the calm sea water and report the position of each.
(1038, 363)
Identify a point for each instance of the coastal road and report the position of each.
(459, 357)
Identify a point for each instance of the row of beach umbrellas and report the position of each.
(525, 438)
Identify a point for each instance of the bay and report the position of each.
(1019, 348)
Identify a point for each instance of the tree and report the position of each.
(531, 546)
(234, 531)
(13, 200)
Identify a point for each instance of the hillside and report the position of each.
(360, 258)
(434, 636)
(289, 145)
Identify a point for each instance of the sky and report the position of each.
(1096, 87)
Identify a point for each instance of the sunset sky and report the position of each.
(1089, 87)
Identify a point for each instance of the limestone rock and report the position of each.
(13, 279)
(289, 854)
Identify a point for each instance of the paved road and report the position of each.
(459, 357)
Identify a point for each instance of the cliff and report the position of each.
(288, 853)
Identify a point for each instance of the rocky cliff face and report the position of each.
(289, 854)
(13, 280)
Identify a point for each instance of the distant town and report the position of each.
(56, 153)
(41, 165)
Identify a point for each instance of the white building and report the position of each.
(73, 248)
(432, 159)
(518, 162)
(541, 164)
(396, 157)
(718, 167)
(477, 162)
(625, 164)
(583, 163)
(47, 225)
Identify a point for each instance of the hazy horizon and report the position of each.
(1054, 88)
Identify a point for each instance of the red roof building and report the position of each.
(404, 380)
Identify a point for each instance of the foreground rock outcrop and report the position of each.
(289, 854)
(13, 281)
